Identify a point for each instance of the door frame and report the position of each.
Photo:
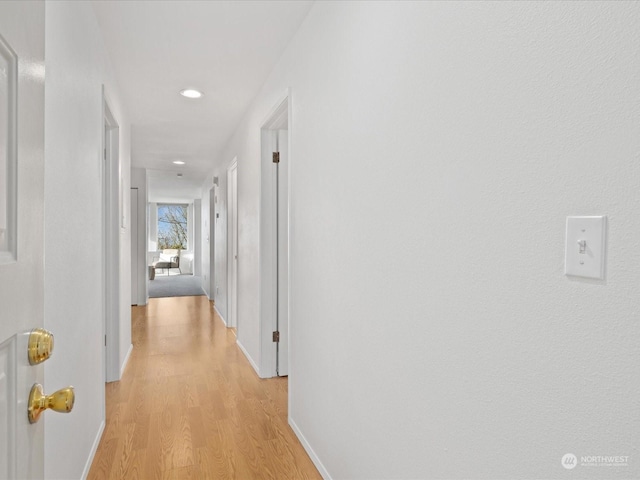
(211, 235)
(232, 277)
(110, 248)
(279, 115)
(135, 250)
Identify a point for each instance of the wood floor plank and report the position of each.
(189, 405)
(101, 467)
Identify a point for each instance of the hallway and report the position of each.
(189, 405)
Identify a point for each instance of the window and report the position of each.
(172, 226)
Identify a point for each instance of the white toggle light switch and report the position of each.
(585, 247)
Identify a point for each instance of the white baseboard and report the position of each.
(221, 317)
(94, 449)
(246, 354)
(314, 458)
(126, 360)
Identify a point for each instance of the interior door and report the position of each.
(22, 231)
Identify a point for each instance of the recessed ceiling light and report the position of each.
(178, 162)
(191, 93)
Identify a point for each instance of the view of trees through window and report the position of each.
(172, 226)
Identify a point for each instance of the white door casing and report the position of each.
(134, 247)
(232, 186)
(111, 243)
(21, 258)
(282, 246)
(274, 241)
(212, 243)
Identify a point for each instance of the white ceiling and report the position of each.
(166, 187)
(226, 49)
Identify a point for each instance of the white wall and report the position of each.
(76, 68)
(437, 149)
(139, 181)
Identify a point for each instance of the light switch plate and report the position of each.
(585, 247)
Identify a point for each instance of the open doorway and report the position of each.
(111, 216)
(274, 251)
(175, 249)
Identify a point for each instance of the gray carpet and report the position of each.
(174, 286)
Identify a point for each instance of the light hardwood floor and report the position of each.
(189, 405)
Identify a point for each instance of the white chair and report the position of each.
(168, 259)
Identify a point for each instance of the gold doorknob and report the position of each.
(60, 401)
(40, 345)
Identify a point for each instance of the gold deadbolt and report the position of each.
(40, 345)
(60, 401)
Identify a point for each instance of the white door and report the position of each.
(282, 242)
(21, 231)
(233, 239)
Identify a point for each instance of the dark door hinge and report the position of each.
(276, 157)
(276, 336)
